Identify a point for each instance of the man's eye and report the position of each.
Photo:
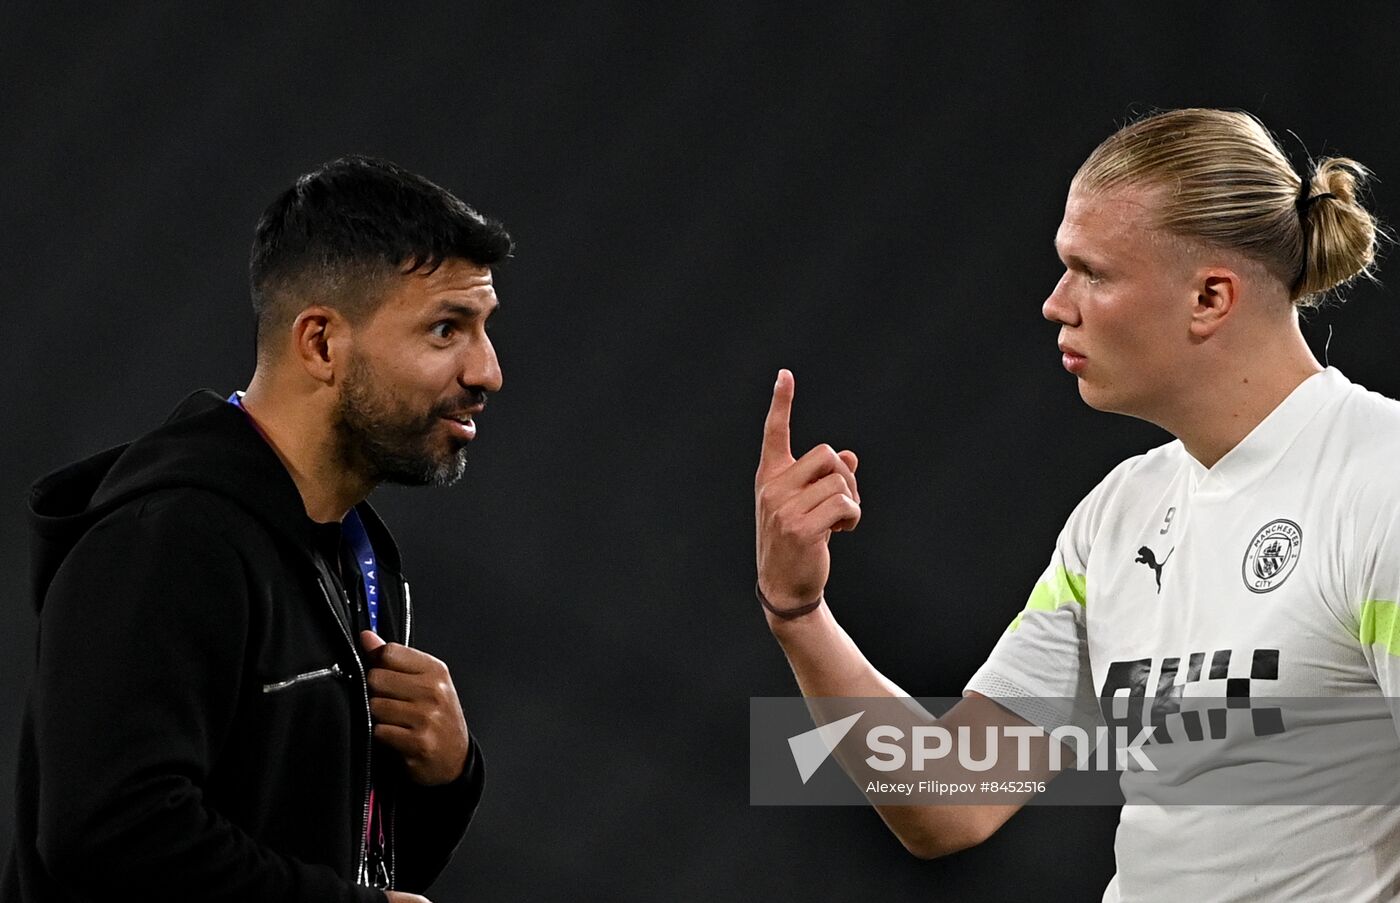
(442, 330)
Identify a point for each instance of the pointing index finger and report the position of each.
(777, 442)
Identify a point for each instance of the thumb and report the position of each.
(850, 458)
(371, 643)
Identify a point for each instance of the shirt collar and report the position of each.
(1273, 435)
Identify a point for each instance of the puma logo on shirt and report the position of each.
(1146, 557)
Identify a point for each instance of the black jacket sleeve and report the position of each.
(141, 645)
(429, 823)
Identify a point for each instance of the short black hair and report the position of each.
(342, 228)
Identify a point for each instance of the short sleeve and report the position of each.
(1375, 591)
(1039, 668)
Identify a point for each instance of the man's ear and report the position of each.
(1217, 291)
(319, 335)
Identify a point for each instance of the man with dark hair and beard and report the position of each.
(228, 703)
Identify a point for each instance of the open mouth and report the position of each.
(462, 425)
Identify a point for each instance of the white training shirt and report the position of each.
(1279, 577)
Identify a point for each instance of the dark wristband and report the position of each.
(787, 613)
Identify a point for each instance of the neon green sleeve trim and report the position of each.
(1062, 588)
(1380, 623)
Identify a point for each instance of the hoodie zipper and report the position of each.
(332, 671)
(393, 815)
(360, 870)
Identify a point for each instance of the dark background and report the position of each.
(865, 194)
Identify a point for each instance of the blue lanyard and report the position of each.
(354, 529)
(355, 533)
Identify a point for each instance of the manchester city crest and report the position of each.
(1272, 555)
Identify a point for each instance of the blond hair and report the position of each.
(1226, 183)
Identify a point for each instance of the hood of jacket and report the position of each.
(206, 444)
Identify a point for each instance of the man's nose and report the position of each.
(1058, 307)
(483, 368)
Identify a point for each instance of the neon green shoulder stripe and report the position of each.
(1380, 623)
(1062, 588)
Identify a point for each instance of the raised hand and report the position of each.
(416, 710)
(798, 504)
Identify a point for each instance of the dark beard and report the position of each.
(378, 437)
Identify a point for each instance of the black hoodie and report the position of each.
(198, 727)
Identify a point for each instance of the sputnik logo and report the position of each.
(811, 748)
